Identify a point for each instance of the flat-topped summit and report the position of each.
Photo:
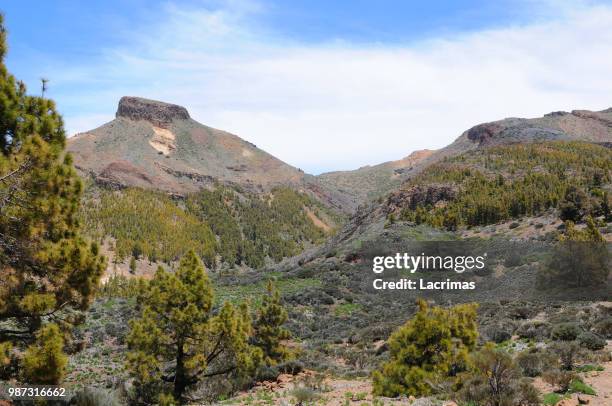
(152, 144)
(158, 113)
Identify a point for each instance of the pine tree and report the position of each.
(177, 339)
(44, 362)
(431, 346)
(47, 269)
(268, 327)
(575, 204)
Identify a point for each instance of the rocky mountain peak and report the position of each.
(158, 113)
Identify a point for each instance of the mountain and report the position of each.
(578, 125)
(370, 182)
(164, 184)
(157, 145)
(434, 184)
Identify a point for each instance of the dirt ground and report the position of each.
(332, 392)
(336, 392)
(600, 381)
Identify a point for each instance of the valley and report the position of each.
(498, 189)
(281, 262)
(151, 259)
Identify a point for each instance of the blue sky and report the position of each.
(323, 85)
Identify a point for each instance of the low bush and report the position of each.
(304, 395)
(266, 373)
(94, 397)
(530, 363)
(521, 312)
(496, 366)
(292, 367)
(567, 352)
(551, 399)
(604, 327)
(535, 330)
(590, 368)
(591, 341)
(560, 379)
(497, 334)
(565, 332)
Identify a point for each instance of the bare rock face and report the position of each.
(158, 113)
(482, 133)
(416, 195)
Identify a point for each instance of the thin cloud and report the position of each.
(340, 105)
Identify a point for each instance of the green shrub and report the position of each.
(304, 395)
(590, 368)
(529, 395)
(167, 399)
(497, 334)
(604, 327)
(591, 341)
(535, 330)
(266, 373)
(565, 332)
(292, 367)
(551, 399)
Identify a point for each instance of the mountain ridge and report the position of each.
(371, 220)
(157, 145)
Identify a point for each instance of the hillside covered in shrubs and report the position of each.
(224, 226)
(491, 185)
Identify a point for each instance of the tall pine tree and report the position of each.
(47, 270)
(178, 340)
(269, 331)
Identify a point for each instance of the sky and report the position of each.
(322, 85)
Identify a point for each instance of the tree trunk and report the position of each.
(180, 378)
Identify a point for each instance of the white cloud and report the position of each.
(340, 105)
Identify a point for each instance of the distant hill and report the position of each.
(455, 186)
(157, 145)
(370, 182)
(578, 125)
